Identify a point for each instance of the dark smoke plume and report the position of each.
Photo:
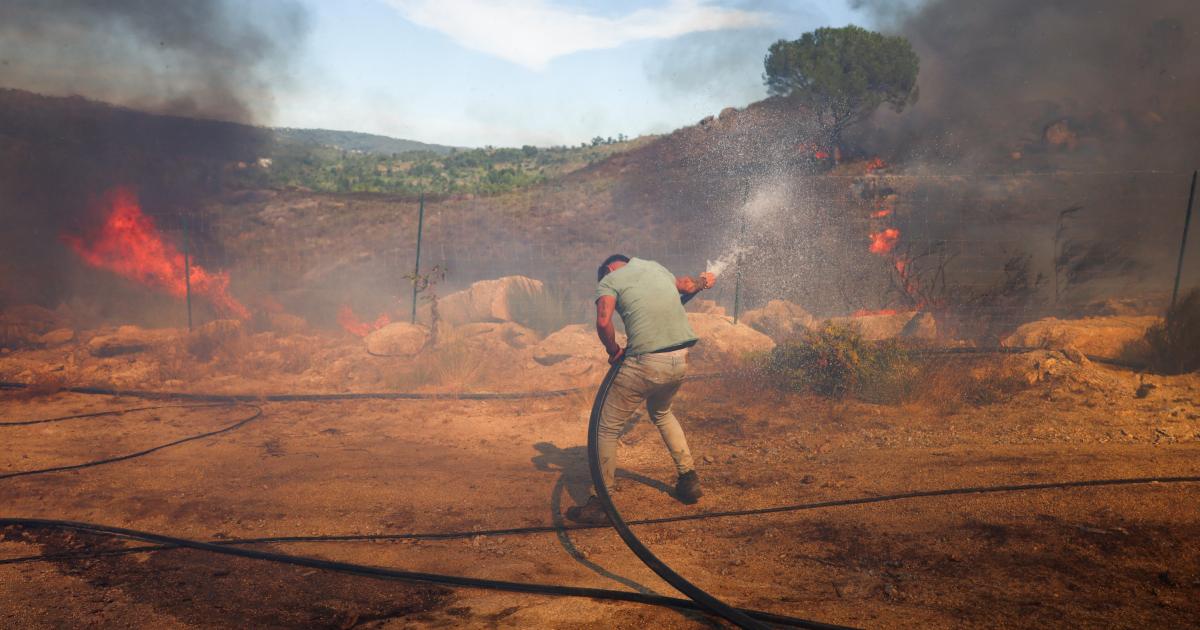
(1050, 83)
(208, 58)
(195, 64)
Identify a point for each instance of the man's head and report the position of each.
(610, 264)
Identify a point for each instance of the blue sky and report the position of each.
(542, 72)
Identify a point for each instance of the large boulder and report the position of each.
(877, 327)
(779, 320)
(701, 305)
(722, 341)
(398, 339)
(577, 341)
(57, 337)
(486, 335)
(486, 300)
(126, 340)
(1097, 336)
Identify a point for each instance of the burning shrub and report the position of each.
(835, 361)
(1173, 347)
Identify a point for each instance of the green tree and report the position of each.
(843, 74)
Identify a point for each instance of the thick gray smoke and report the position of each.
(1049, 84)
(200, 62)
(209, 58)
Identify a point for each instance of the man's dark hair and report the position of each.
(603, 270)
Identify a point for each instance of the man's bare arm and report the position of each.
(605, 306)
(687, 285)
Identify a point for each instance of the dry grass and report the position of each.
(452, 365)
(951, 386)
(1173, 347)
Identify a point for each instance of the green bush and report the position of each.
(835, 361)
(1173, 347)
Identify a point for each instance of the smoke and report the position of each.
(725, 67)
(207, 58)
(1049, 84)
(194, 64)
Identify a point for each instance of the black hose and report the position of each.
(226, 398)
(701, 597)
(120, 458)
(547, 529)
(110, 412)
(381, 572)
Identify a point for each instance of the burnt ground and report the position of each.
(1120, 557)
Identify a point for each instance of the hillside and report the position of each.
(355, 141)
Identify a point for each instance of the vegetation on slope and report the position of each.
(486, 171)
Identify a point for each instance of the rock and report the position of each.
(779, 320)
(577, 341)
(57, 337)
(700, 305)
(1098, 336)
(1060, 134)
(489, 334)
(485, 301)
(877, 327)
(722, 341)
(35, 319)
(1075, 356)
(398, 339)
(286, 323)
(126, 340)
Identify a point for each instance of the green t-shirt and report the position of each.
(648, 303)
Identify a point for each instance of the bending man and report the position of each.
(648, 298)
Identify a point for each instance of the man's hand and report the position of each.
(614, 357)
(708, 280)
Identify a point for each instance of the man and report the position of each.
(648, 298)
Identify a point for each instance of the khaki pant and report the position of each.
(652, 379)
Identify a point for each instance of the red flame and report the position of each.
(129, 244)
(357, 327)
(875, 164)
(883, 242)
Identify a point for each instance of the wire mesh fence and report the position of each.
(1004, 248)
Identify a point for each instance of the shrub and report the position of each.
(1173, 347)
(835, 361)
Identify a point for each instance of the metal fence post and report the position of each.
(737, 277)
(187, 271)
(417, 264)
(1187, 220)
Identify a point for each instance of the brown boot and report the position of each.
(590, 513)
(687, 489)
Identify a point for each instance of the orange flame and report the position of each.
(129, 244)
(883, 242)
(357, 327)
(875, 164)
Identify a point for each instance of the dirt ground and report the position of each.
(1122, 556)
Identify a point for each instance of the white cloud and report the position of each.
(533, 32)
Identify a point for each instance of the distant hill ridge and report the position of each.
(357, 141)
